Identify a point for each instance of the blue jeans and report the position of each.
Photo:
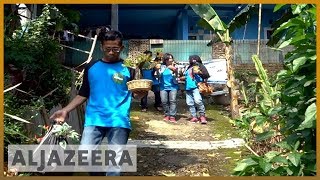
(169, 102)
(157, 98)
(93, 135)
(193, 97)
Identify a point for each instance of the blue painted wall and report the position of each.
(267, 18)
(251, 32)
(93, 18)
(154, 23)
(182, 25)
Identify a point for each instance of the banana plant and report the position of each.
(210, 20)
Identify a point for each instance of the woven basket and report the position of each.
(139, 85)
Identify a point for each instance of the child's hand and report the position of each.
(158, 66)
(172, 68)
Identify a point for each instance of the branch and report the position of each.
(49, 93)
(17, 118)
(25, 92)
(251, 150)
(11, 88)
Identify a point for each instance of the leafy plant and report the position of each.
(286, 107)
(140, 61)
(211, 21)
(64, 132)
(31, 60)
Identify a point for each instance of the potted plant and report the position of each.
(139, 62)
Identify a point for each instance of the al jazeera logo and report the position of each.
(72, 158)
(118, 78)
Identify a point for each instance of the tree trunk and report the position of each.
(231, 84)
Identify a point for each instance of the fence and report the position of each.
(181, 49)
(244, 49)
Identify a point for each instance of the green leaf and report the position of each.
(298, 8)
(299, 78)
(308, 83)
(63, 144)
(265, 165)
(271, 154)
(284, 145)
(310, 117)
(285, 43)
(279, 159)
(210, 17)
(265, 135)
(242, 17)
(297, 39)
(244, 164)
(277, 7)
(289, 171)
(313, 58)
(298, 62)
(294, 157)
(311, 100)
(260, 120)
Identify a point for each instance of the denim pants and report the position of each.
(93, 135)
(169, 102)
(157, 98)
(193, 98)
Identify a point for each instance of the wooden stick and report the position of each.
(24, 92)
(80, 35)
(49, 93)
(12, 88)
(75, 49)
(17, 118)
(251, 150)
(86, 62)
(92, 48)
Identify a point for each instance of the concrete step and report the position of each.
(200, 145)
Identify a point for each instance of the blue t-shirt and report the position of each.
(191, 79)
(109, 100)
(167, 80)
(147, 74)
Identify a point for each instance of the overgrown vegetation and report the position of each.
(280, 124)
(32, 59)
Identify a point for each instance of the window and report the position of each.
(192, 37)
(267, 33)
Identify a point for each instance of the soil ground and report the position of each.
(183, 162)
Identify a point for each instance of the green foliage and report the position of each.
(286, 108)
(65, 131)
(243, 17)
(210, 20)
(36, 55)
(33, 54)
(140, 61)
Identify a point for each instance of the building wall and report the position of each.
(251, 30)
(180, 27)
(248, 32)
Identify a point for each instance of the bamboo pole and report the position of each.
(259, 30)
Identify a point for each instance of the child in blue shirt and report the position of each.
(150, 74)
(195, 73)
(168, 87)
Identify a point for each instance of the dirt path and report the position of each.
(183, 162)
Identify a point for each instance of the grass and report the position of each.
(221, 125)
